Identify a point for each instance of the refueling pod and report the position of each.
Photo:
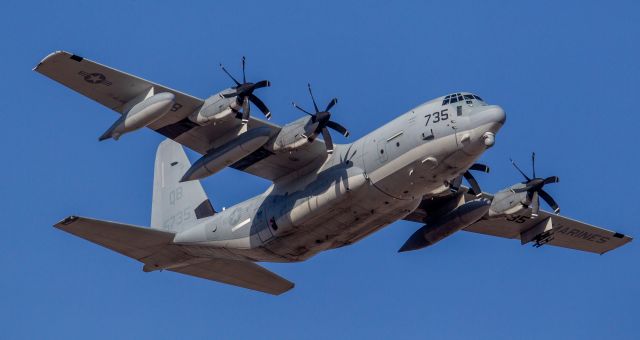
(458, 218)
(141, 114)
(227, 154)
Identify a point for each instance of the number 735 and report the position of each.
(437, 116)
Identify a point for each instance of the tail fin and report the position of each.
(176, 206)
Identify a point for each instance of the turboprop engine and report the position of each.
(231, 100)
(305, 130)
(525, 195)
(141, 114)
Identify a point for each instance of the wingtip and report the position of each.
(47, 57)
(66, 221)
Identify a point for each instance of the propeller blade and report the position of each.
(454, 186)
(533, 163)
(535, 204)
(327, 140)
(260, 105)
(333, 102)
(230, 95)
(551, 179)
(480, 167)
(229, 74)
(335, 126)
(238, 113)
(301, 109)
(547, 198)
(315, 106)
(261, 84)
(244, 77)
(312, 137)
(517, 168)
(246, 108)
(475, 187)
(523, 189)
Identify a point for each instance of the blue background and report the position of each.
(566, 73)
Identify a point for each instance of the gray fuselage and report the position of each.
(360, 188)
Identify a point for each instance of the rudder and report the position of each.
(176, 206)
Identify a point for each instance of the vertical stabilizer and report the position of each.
(176, 206)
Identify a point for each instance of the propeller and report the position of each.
(321, 120)
(475, 187)
(243, 92)
(533, 187)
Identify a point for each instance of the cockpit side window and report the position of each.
(478, 98)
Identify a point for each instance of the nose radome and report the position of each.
(488, 115)
(495, 114)
(501, 116)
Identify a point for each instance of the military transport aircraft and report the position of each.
(323, 196)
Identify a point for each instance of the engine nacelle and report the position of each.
(293, 135)
(215, 108)
(507, 202)
(141, 114)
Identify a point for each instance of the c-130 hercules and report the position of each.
(323, 196)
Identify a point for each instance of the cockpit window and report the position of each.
(459, 97)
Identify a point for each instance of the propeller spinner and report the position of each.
(533, 187)
(243, 92)
(321, 120)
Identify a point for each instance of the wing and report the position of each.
(546, 228)
(107, 86)
(553, 230)
(238, 273)
(153, 247)
(132, 241)
(114, 89)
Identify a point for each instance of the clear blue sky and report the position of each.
(566, 73)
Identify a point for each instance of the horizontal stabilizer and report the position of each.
(155, 248)
(132, 241)
(238, 273)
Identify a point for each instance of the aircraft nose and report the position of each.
(491, 114)
(495, 114)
